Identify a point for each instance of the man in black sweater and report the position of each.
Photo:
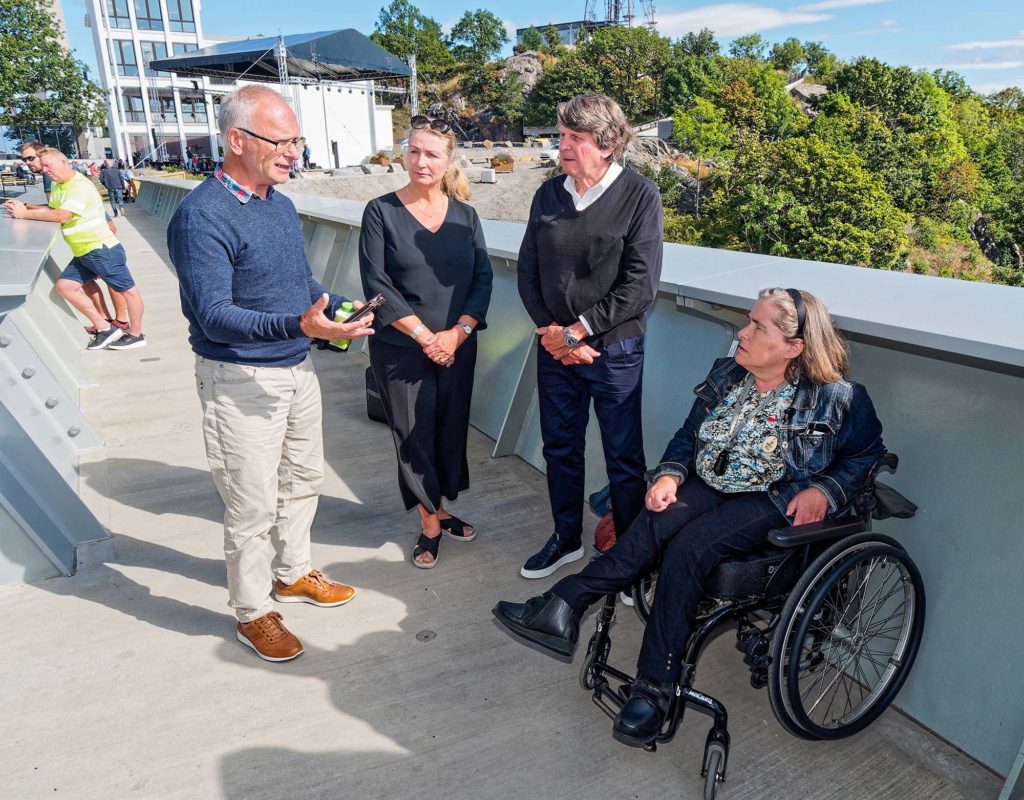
(589, 268)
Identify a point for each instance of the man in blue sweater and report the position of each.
(253, 306)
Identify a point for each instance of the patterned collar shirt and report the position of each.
(240, 193)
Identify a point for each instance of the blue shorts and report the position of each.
(108, 263)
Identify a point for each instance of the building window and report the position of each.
(133, 109)
(162, 109)
(117, 14)
(180, 48)
(179, 14)
(122, 57)
(153, 51)
(193, 109)
(147, 15)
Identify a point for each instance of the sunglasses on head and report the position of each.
(419, 122)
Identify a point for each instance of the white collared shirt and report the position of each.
(595, 191)
(588, 199)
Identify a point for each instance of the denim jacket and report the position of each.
(831, 437)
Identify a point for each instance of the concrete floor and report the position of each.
(126, 679)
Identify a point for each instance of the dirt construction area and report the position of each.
(508, 199)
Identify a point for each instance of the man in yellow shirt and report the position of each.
(76, 204)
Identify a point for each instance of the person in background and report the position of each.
(77, 206)
(589, 267)
(110, 177)
(306, 153)
(253, 308)
(422, 247)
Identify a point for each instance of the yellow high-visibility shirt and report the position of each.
(87, 230)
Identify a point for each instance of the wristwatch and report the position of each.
(467, 328)
(570, 340)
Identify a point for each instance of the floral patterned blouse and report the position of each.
(755, 455)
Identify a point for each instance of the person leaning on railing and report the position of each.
(423, 249)
(777, 436)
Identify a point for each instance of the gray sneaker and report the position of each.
(129, 342)
(105, 338)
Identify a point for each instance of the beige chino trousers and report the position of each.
(264, 441)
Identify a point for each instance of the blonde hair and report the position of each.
(454, 182)
(824, 358)
(600, 116)
(41, 149)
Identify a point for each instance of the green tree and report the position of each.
(688, 77)
(703, 132)
(767, 98)
(41, 83)
(629, 61)
(786, 55)
(804, 198)
(402, 29)
(569, 77)
(751, 46)
(553, 38)
(821, 61)
(508, 100)
(701, 44)
(477, 37)
(532, 40)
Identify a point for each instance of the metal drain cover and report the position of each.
(425, 636)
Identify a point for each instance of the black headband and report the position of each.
(801, 311)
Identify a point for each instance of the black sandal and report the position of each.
(455, 528)
(426, 544)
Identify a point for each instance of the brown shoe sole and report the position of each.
(247, 643)
(301, 598)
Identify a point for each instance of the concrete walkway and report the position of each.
(126, 679)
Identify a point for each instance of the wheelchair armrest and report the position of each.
(797, 535)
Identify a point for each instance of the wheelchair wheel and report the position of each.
(587, 677)
(712, 770)
(847, 638)
(643, 596)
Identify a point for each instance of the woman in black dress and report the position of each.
(422, 247)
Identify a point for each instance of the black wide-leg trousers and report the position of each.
(685, 542)
(428, 411)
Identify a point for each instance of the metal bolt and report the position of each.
(27, 373)
(5, 341)
(51, 402)
(73, 431)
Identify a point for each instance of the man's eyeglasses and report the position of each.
(419, 122)
(280, 145)
(28, 159)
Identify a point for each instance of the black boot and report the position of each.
(546, 620)
(643, 716)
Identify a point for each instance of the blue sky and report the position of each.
(984, 42)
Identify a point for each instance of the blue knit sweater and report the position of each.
(244, 277)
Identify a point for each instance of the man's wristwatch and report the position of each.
(570, 340)
(467, 328)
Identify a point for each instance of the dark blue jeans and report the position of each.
(686, 541)
(614, 383)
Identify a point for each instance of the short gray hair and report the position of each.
(238, 108)
(600, 116)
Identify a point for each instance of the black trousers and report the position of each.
(614, 382)
(687, 541)
(428, 411)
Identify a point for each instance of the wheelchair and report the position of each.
(829, 618)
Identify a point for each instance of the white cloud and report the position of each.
(830, 4)
(997, 86)
(975, 65)
(987, 44)
(729, 20)
(885, 26)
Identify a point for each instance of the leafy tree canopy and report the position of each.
(478, 37)
(701, 44)
(41, 83)
(628, 61)
(402, 29)
(532, 40)
(752, 46)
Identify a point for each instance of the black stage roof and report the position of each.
(342, 55)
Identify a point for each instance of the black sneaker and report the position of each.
(554, 554)
(129, 342)
(105, 338)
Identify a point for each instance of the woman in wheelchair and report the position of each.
(776, 437)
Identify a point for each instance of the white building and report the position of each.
(158, 116)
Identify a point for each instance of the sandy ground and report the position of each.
(508, 199)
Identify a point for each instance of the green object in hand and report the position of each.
(345, 310)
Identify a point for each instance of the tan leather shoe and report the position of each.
(314, 588)
(271, 640)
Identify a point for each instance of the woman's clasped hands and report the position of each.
(440, 347)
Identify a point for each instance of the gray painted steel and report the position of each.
(42, 431)
(944, 362)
